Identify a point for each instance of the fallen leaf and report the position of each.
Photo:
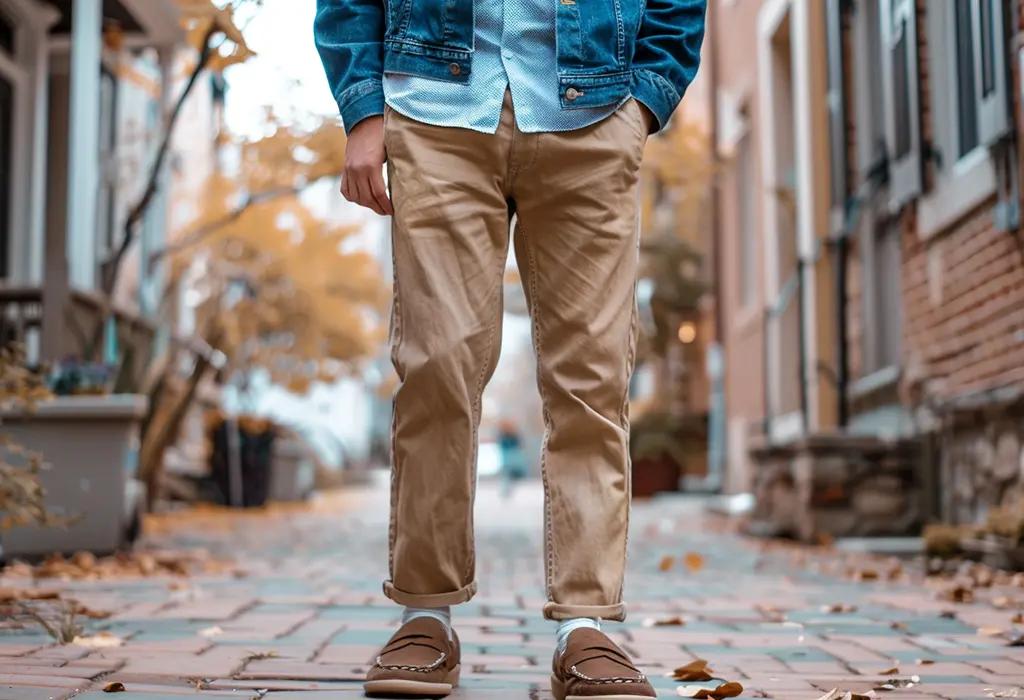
(1018, 619)
(889, 672)
(211, 632)
(102, 640)
(897, 625)
(836, 694)
(86, 611)
(693, 672)
(1016, 641)
(18, 595)
(924, 662)
(664, 622)
(694, 562)
(989, 632)
(838, 608)
(666, 563)
(726, 690)
(84, 560)
(866, 575)
(114, 687)
(958, 594)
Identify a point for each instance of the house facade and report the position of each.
(775, 288)
(870, 234)
(81, 83)
(935, 293)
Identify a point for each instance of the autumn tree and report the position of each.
(277, 287)
(675, 209)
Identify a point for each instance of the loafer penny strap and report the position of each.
(412, 639)
(604, 664)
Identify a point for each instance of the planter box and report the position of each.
(654, 475)
(90, 446)
(292, 471)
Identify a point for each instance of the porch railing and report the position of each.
(21, 314)
(21, 311)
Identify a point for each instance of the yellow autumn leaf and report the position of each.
(694, 562)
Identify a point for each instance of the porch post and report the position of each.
(83, 144)
(40, 92)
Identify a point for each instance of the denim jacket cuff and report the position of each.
(362, 100)
(655, 93)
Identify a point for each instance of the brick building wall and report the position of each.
(962, 301)
(961, 305)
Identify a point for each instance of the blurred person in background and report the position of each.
(483, 109)
(513, 458)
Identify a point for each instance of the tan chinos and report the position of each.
(576, 240)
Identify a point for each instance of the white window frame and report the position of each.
(868, 63)
(962, 183)
(771, 18)
(905, 171)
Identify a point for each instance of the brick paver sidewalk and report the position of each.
(306, 615)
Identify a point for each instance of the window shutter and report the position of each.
(990, 70)
(902, 99)
(836, 113)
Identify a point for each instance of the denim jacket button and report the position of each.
(455, 69)
(571, 94)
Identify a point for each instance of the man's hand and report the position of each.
(363, 180)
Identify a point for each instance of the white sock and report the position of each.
(442, 615)
(567, 626)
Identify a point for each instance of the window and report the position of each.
(884, 333)
(902, 98)
(746, 196)
(970, 79)
(969, 107)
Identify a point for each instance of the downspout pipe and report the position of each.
(842, 350)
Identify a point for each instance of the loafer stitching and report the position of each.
(641, 678)
(417, 669)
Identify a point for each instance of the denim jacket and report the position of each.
(607, 49)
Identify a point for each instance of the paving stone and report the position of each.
(47, 681)
(13, 692)
(286, 669)
(311, 611)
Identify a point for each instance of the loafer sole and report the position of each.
(400, 687)
(558, 690)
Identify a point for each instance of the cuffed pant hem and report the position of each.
(557, 611)
(435, 600)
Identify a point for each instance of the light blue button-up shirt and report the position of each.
(514, 48)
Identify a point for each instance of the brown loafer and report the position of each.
(419, 660)
(593, 667)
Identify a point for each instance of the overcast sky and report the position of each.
(286, 72)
